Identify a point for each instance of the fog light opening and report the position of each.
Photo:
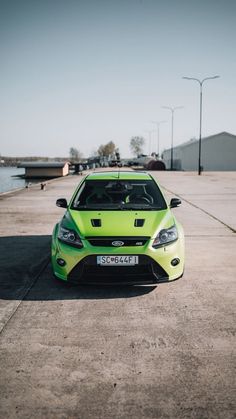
(175, 261)
(61, 262)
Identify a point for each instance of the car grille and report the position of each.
(147, 271)
(127, 241)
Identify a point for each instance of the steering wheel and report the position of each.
(142, 199)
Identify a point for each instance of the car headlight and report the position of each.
(69, 237)
(167, 235)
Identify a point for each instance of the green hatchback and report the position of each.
(118, 228)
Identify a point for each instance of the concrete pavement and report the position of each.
(120, 352)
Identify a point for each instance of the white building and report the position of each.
(218, 153)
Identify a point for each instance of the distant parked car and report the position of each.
(118, 227)
(113, 163)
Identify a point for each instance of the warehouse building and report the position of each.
(45, 170)
(218, 154)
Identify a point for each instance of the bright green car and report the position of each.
(118, 228)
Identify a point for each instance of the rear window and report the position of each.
(119, 195)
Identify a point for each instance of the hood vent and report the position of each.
(96, 222)
(139, 222)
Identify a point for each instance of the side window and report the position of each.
(82, 195)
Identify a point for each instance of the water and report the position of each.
(8, 182)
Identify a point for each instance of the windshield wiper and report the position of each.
(96, 207)
(121, 207)
(137, 207)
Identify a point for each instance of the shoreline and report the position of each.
(33, 185)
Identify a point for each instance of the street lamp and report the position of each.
(150, 139)
(172, 130)
(200, 127)
(158, 123)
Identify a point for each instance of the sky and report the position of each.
(80, 73)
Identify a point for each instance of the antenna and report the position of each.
(118, 172)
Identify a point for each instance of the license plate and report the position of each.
(117, 260)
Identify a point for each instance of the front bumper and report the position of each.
(146, 272)
(81, 264)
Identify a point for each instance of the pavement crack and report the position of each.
(43, 265)
(201, 209)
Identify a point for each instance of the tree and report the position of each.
(107, 149)
(94, 152)
(136, 145)
(101, 150)
(74, 154)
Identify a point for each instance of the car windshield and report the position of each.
(119, 195)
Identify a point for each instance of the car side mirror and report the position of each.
(175, 202)
(62, 202)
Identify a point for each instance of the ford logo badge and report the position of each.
(117, 243)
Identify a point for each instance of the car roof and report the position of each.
(122, 175)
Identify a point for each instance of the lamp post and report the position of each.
(172, 130)
(150, 140)
(200, 125)
(158, 123)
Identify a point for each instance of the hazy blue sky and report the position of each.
(83, 72)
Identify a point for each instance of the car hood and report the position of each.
(121, 223)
